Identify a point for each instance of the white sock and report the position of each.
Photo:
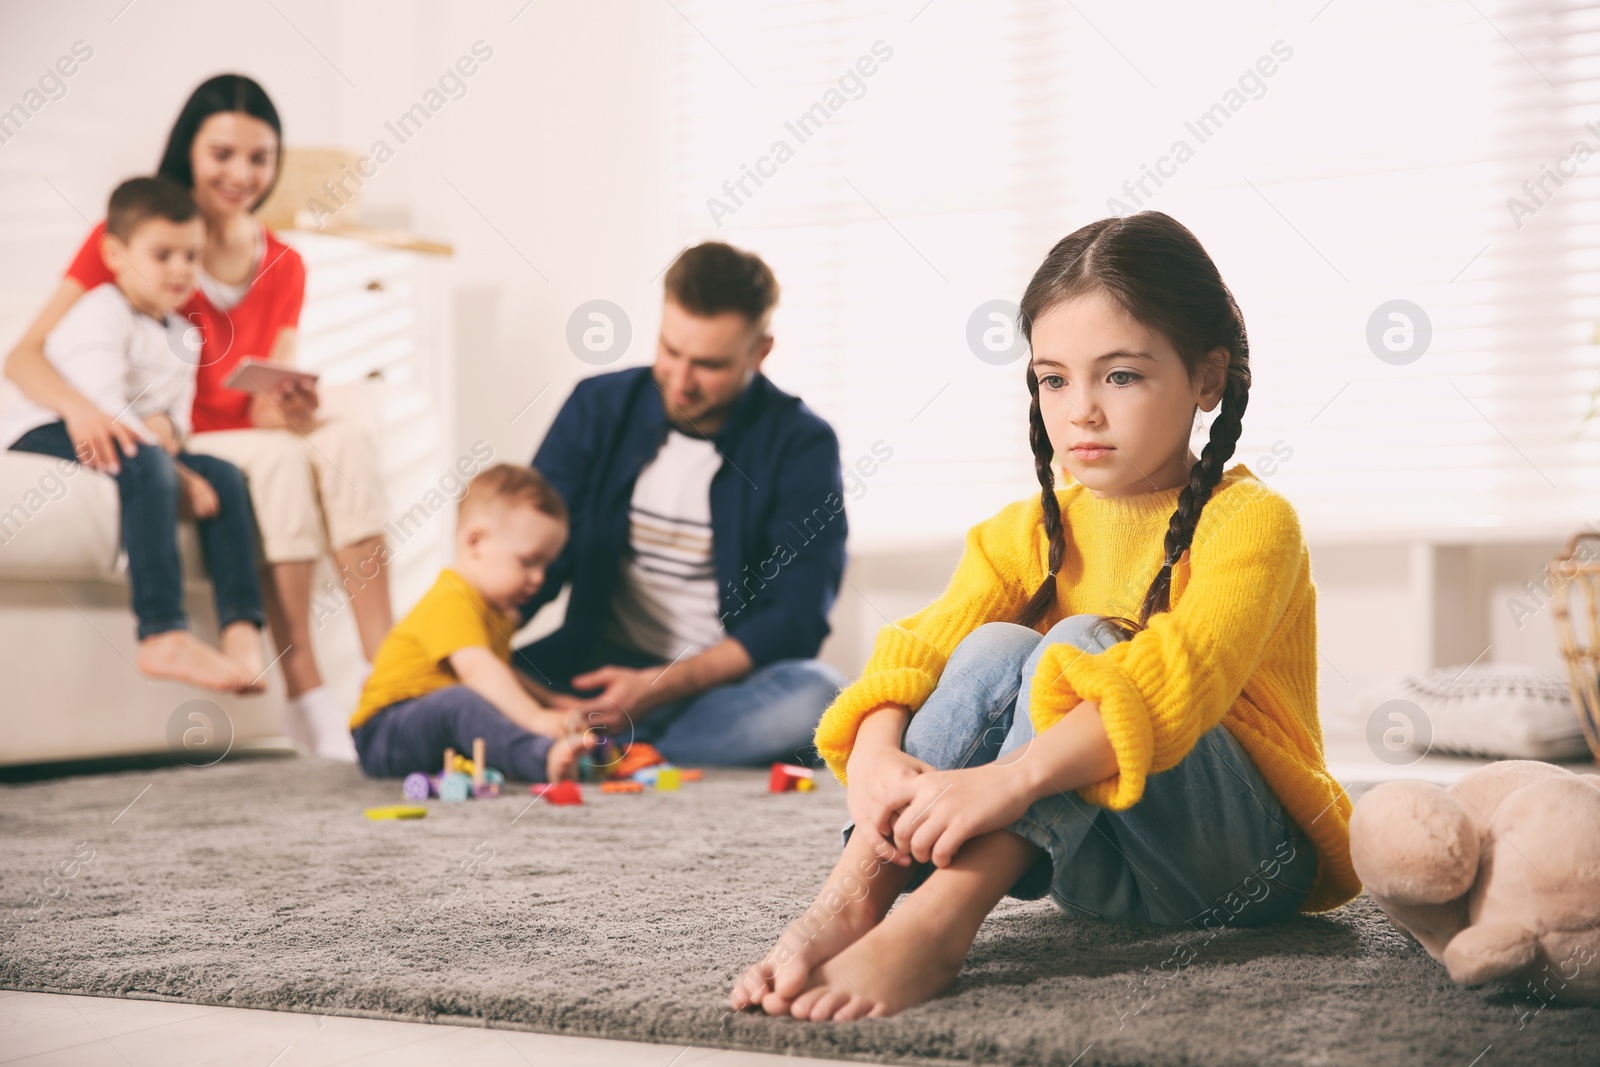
(328, 724)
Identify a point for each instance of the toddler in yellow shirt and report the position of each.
(1023, 735)
(443, 675)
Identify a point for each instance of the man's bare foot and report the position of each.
(902, 962)
(179, 656)
(561, 764)
(241, 644)
(853, 900)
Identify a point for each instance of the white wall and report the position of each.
(548, 177)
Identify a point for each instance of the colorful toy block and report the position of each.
(623, 786)
(638, 756)
(787, 777)
(455, 787)
(396, 811)
(564, 793)
(664, 777)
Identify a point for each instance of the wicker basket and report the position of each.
(1568, 571)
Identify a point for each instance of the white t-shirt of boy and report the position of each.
(666, 599)
(126, 363)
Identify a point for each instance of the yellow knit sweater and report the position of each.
(1238, 647)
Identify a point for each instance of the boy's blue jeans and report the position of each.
(411, 735)
(1207, 840)
(148, 486)
(770, 715)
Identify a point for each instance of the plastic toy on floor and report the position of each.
(788, 777)
(389, 812)
(597, 764)
(459, 778)
(558, 792)
(663, 777)
(1497, 876)
(637, 758)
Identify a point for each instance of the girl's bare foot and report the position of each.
(854, 899)
(900, 963)
(241, 644)
(179, 656)
(916, 953)
(562, 763)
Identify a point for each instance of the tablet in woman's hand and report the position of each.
(261, 376)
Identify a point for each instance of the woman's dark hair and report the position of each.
(223, 93)
(1152, 267)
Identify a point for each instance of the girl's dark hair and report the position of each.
(1157, 272)
(223, 93)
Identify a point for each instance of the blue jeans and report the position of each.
(411, 735)
(770, 715)
(1208, 840)
(148, 486)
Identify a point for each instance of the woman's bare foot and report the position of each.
(854, 899)
(562, 763)
(241, 644)
(179, 656)
(916, 953)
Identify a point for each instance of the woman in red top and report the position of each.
(307, 474)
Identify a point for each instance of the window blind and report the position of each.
(1395, 192)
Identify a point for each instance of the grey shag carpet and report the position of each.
(260, 884)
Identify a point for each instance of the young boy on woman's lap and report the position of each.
(125, 348)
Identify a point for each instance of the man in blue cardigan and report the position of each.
(707, 540)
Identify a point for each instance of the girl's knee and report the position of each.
(1090, 632)
(996, 640)
(1087, 632)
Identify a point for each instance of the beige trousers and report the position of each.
(311, 492)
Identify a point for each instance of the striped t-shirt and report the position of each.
(666, 600)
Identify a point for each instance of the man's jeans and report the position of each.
(770, 715)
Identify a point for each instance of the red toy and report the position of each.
(787, 777)
(559, 793)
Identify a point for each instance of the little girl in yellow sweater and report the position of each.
(1022, 735)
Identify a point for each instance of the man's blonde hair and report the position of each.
(508, 484)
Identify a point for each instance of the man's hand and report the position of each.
(626, 696)
(196, 494)
(98, 440)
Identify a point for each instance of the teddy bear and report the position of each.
(1497, 876)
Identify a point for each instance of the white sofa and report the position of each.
(67, 643)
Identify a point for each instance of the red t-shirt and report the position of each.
(249, 330)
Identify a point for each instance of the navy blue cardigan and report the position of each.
(777, 513)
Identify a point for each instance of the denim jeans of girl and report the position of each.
(1207, 842)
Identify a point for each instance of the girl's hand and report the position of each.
(197, 494)
(942, 810)
(98, 440)
(878, 775)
